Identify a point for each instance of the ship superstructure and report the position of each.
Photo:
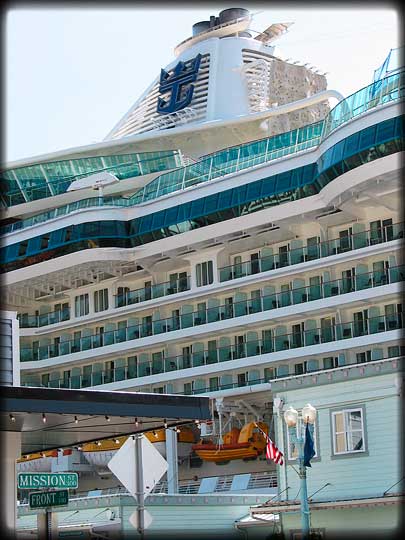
(240, 224)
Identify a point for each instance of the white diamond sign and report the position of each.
(147, 519)
(123, 465)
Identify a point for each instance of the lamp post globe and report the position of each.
(291, 417)
(309, 414)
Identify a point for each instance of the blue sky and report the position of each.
(71, 73)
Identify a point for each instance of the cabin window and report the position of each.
(362, 357)
(81, 305)
(348, 431)
(205, 273)
(330, 362)
(22, 248)
(100, 300)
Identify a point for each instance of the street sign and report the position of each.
(45, 480)
(147, 519)
(46, 499)
(123, 465)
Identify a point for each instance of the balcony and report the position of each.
(273, 343)
(151, 327)
(37, 321)
(312, 252)
(126, 298)
(154, 291)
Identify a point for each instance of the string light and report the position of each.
(165, 423)
(155, 434)
(76, 420)
(136, 422)
(107, 418)
(12, 418)
(44, 418)
(177, 430)
(117, 441)
(98, 443)
(79, 448)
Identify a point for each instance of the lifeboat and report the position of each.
(99, 454)
(247, 443)
(37, 462)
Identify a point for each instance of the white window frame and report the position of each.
(204, 273)
(101, 300)
(346, 430)
(82, 306)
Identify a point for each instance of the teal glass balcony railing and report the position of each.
(313, 252)
(154, 291)
(246, 349)
(231, 160)
(126, 298)
(44, 319)
(151, 327)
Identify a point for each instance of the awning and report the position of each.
(52, 418)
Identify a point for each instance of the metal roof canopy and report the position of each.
(74, 417)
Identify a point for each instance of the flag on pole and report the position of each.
(309, 449)
(273, 453)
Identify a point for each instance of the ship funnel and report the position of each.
(231, 14)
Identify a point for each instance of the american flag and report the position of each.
(273, 453)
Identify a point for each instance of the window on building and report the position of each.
(348, 431)
(22, 248)
(100, 300)
(188, 388)
(44, 241)
(330, 362)
(293, 447)
(159, 390)
(362, 357)
(269, 374)
(242, 379)
(122, 296)
(81, 305)
(300, 369)
(396, 350)
(204, 273)
(214, 384)
(66, 379)
(45, 379)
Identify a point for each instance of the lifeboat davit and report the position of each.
(247, 443)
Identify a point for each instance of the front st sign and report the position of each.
(47, 480)
(46, 499)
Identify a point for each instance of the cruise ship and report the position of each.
(240, 226)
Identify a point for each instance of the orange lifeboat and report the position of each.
(247, 443)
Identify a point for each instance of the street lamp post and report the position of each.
(297, 436)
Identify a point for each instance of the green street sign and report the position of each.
(45, 499)
(46, 480)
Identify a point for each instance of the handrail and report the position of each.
(312, 252)
(129, 297)
(213, 314)
(378, 93)
(238, 270)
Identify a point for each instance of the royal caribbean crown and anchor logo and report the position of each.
(183, 75)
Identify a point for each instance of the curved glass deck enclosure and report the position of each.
(231, 160)
(359, 148)
(33, 182)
